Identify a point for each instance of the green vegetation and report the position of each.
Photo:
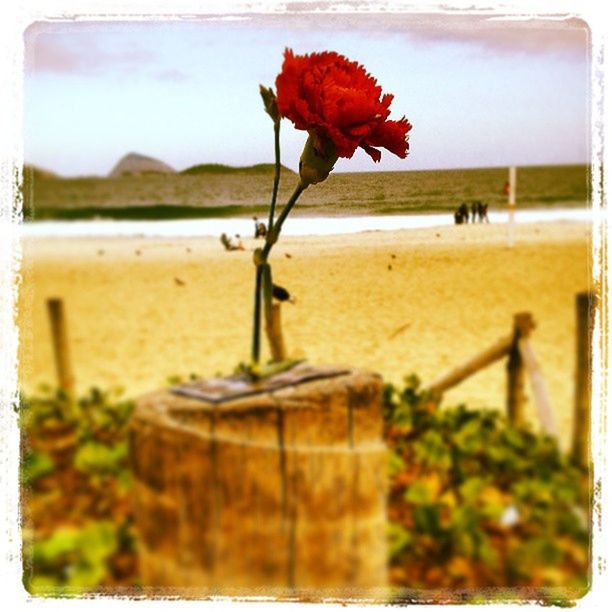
(474, 502)
(215, 190)
(71, 561)
(75, 493)
(153, 212)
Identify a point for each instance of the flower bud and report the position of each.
(318, 159)
(269, 100)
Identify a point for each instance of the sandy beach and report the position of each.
(142, 309)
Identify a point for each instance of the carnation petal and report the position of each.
(372, 152)
(336, 97)
(392, 135)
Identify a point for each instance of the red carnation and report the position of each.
(330, 96)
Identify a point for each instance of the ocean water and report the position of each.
(297, 226)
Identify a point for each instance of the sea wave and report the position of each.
(297, 226)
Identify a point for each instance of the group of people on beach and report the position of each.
(477, 208)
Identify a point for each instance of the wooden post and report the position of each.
(65, 378)
(515, 398)
(281, 492)
(585, 308)
(511, 203)
(478, 362)
(274, 332)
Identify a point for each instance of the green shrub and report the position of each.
(77, 518)
(475, 501)
(71, 560)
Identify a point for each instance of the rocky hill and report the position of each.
(135, 164)
(34, 172)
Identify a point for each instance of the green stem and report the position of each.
(281, 219)
(273, 234)
(256, 341)
(266, 289)
(277, 166)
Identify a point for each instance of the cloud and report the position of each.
(493, 31)
(45, 56)
(78, 52)
(503, 34)
(91, 48)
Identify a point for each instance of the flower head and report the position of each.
(336, 99)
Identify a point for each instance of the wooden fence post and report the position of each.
(581, 443)
(274, 332)
(515, 398)
(511, 203)
(65, 378)
(457, 375)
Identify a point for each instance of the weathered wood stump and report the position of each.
(280, 493)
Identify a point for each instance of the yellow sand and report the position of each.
(142, 309)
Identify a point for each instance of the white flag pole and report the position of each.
(511, 203)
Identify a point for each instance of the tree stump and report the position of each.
(281, 492)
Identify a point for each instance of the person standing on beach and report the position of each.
(474, 210)
(483, 212)
(260, 228)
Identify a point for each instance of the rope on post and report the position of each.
(521, 360)
(538, 387)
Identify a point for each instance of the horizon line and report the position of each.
(432, 169)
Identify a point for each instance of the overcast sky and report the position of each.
(478, 91)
